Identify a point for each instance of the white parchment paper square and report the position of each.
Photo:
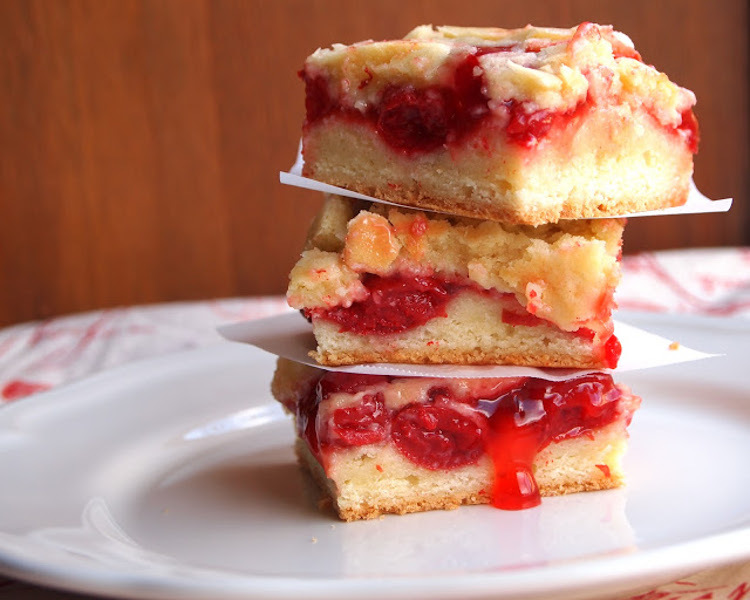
(290, 336)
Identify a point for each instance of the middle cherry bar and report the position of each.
(389, 284)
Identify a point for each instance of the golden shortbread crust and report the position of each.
(564, 274)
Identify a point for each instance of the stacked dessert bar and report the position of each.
(504, 158)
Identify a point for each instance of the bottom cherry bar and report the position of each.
(379, 444)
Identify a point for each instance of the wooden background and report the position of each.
(140, 141)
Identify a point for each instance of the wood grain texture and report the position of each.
(140, 141)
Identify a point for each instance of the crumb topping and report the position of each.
(564, 273)
(545, 68)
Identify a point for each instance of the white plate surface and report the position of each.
(175, 478)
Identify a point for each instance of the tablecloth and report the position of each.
(40, 355)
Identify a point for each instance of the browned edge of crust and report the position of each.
(465, 207)
(434, 355)
(399, 506)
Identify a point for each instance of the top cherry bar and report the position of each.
(524, 126)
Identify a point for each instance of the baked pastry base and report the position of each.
(471, 333)
(368, 481)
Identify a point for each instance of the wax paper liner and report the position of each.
(290, 336)
(696, 202)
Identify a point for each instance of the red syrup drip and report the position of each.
(512, 427)
(612, 351)
(528, 419)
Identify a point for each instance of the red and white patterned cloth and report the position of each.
(704, 282)
(41, 355)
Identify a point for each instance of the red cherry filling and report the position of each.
(318, 101)
(509, 419)
(417, 120)
(398, 303)
(689, 129)
(365, 423)
(522, 317)
(394, 305)
(525, 128)
(437, 437)
(414, 120)
(349, 383)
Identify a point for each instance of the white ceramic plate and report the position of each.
(174, 478)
